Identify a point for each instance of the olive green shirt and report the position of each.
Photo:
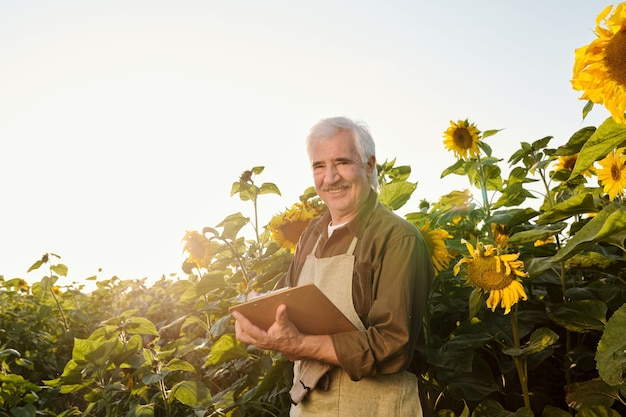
(390, 286)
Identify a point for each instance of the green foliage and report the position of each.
(169, 349)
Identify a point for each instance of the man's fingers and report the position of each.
(282, 318)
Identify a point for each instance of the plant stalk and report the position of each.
(521, 364)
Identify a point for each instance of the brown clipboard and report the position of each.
(307, 307)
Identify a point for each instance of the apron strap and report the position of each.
(352, 246)
(350, 250)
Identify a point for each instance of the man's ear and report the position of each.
(371, 164)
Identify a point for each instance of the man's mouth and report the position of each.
(335, 189)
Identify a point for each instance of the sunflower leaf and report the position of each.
(394, 195)
(232, 225)
(537, 233)
(611, 353)
(594, 394)
(610, 221)
(608, 136)
(580, 316)
(269, 188)
(588, 107)
(576, 142)
(512, 217)
(540, 340)
(513, 195)
(226, 348)
(577, 204)
(456, 168)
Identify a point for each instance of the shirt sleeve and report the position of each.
(401, 283)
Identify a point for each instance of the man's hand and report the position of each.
(283, 337)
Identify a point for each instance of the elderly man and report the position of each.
(375, 266)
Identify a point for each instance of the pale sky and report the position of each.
(124, 123)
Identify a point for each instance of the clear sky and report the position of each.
(124, 123)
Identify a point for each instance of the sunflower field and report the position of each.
(526, 317)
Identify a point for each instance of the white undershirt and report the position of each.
(332, 227)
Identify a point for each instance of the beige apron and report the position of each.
(380, 395)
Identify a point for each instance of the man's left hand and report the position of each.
(282, 336)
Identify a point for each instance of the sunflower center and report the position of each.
(482, 274)
(570, 162)
(462, 138)
(616, 172)
(615, 58)
(293, 230)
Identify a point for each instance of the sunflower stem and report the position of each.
(549, 195)
(521, 364)
(483, 186)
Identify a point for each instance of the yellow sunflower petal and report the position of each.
(600, 67)
(493, 300)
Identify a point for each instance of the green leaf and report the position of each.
(512, 217)
(9, 352)
(140, 325)
(513, 195)
(232, 225)
(124, 352)
(577, 204)
(551, 411)
(150, 378)
(579, 316)
(210, 281)
(610, 221)
(594, 392)
(475, 302)
(608, 136)
(490, 132)
(191, 393)
(38, 264)
(177, 364)
(587, 108)
(536, 233)
(141, 410)
(611, 353)
(74, 411)
(28, 410)
(576, 142)
(396, 194)
(597, 411)
(226, 348)
(540, 340)
(456, 168)
(541, 143)
(491, 408)
(60, 269)
(269, 188)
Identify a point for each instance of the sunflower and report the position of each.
(462, 138)
(199, 249)
(568, 162)
(435, 241)
(500, 234)
(286, 227)
(600, 67)
(612, 176)
(489, 271)
(22, 285)
(546, 241)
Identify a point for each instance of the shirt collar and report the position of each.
(356, 225)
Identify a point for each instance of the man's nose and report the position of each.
(331, 174)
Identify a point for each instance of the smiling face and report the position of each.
(342, 179)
